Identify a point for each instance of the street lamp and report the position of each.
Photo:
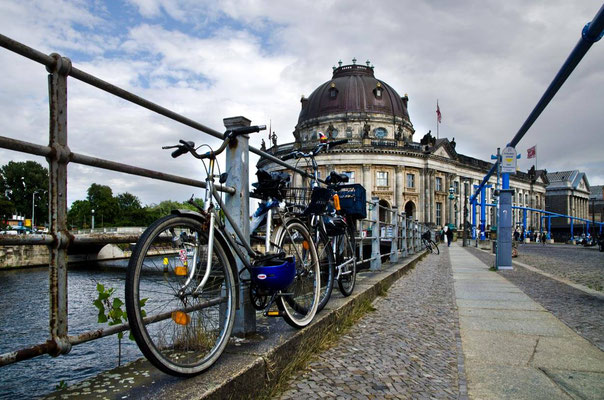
(33, 210)
(92, 229)
(451, 197)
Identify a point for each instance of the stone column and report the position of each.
(367, 182)
(400, 187)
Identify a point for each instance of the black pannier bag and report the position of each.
(352, 200)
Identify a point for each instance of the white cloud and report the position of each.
(488, 63)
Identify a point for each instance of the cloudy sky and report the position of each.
(487, 63)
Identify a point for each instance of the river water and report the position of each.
(24, 305)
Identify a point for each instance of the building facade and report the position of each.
(381, 154)
(596, 203)
(567, 194)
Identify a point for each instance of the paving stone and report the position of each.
(406, 348)
(582, 312)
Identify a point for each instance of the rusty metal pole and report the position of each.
(58, 160)
(237, 205)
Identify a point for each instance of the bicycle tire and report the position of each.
(326, 266)
(434, 247)
(182, 335)
(427, 245)
(298, 303)
(348, 273)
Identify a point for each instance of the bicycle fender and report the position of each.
(223, 242)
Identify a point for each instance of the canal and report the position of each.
(24, 310)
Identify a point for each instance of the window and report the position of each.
(381, 178)
(350, 175)
(439, 213)
(439, 184)
(456, 187)
(380, 133)
(410, 180)
(349, 132)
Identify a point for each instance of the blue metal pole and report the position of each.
(524, 222)
(505, 181)
(549, 227)
(592, 32)
(483, 202)
(474, 219)
(572, 235)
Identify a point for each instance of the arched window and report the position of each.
(378, 91)
(380, 133)
(333, 91)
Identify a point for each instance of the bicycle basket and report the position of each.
(352, 200)
(319, 199)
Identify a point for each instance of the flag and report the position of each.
(438, 116)
(531, 152)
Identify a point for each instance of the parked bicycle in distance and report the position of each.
(429, 244)
(182, 284)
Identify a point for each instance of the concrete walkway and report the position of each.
(513, 348)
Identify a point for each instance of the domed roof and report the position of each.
(353, 88)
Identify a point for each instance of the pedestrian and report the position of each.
(516, 235)
(446, 235)
(449, 237)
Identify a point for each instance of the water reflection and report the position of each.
(24, 312)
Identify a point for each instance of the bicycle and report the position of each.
(182, 286)
(333, 228)
(429, 244)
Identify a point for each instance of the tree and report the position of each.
(131, 212)
(103, 203)
(19, 181)
(79, 214)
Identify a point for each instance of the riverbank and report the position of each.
(31, 256)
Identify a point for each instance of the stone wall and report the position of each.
(23, 256)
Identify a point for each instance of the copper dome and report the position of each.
(353, 88)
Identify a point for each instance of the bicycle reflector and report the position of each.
(276, 274)
(336, 202)
(180, 271)
(322, 137)
(180, 317)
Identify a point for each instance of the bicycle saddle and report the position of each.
(271, 184)
(334, 178)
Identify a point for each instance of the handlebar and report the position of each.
(320, 147)
(189, 147)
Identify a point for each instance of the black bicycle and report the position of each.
(429, 244)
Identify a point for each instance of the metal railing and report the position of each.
(59, 156)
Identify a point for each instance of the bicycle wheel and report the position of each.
(326, 266)
(346, 261)
(298, 303)
(434, 247)
(427, 245)
(180, 332)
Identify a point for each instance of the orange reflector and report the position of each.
(336, 202)
(180, 271)
(305, 245)
(181, 318)
(273, 313)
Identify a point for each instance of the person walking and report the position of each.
(543, 238)
(449, 237)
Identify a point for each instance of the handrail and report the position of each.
(592, 32)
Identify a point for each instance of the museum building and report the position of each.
(416, 177)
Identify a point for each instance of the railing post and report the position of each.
(58, 160)
(404, 250)
(410, 236)
(237, 205)
(376, 259)
(394, 247)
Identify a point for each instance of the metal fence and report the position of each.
(405, 237)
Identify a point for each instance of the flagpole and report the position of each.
(535, 158)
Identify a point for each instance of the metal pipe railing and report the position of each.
(59, 156)
(592, 32)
